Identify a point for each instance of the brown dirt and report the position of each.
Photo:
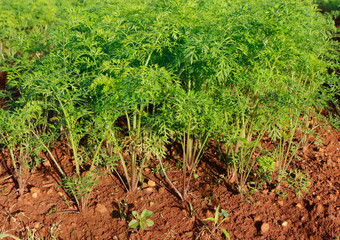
(261, 215)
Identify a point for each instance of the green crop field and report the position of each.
(120, 81)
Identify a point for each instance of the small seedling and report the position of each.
(192, 210)
(297, 181)
(122, 206)
(142, 220)
(218, 223)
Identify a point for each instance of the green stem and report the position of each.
(70, 137)
(51, 155)
(167, 178)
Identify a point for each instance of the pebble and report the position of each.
(151, 183)
(35, 190)
(34, 195)
(298, 205)
(184, 211)
(265, 227)
(46, 164)
(151, 204)
(145, 185)
(36, 225)
(285, 224)
(73, 208)
(210, 214)
(332, 197)
(101, 208)
(257, 218)
(280, 203)
(319, 209)
(50, 191)
(149, 189)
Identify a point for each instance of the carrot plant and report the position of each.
(135, 98)
(193, 122)
(16, 136)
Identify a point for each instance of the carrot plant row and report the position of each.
(119, 80)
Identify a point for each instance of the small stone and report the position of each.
(50, 191)
(210, 214)
(151, 204)
(184, 211)
(265, 227)
(257, 218)
(73, 208)
(333, 197)
(280, 202)
(319, 209)
(35, 190)
(149, 189)
(46, 164)
(298, 205)
(161, 190)
(318, 198)
(34, 195)
(331, 216)
(36, 225)
(144, 185)
(151, 183)
(101, 208)
(285, 224)
(60, 194)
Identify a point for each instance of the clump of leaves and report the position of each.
(141, 221)
(217, 223)
(297, 181)
(16, 131)
(193, 122)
